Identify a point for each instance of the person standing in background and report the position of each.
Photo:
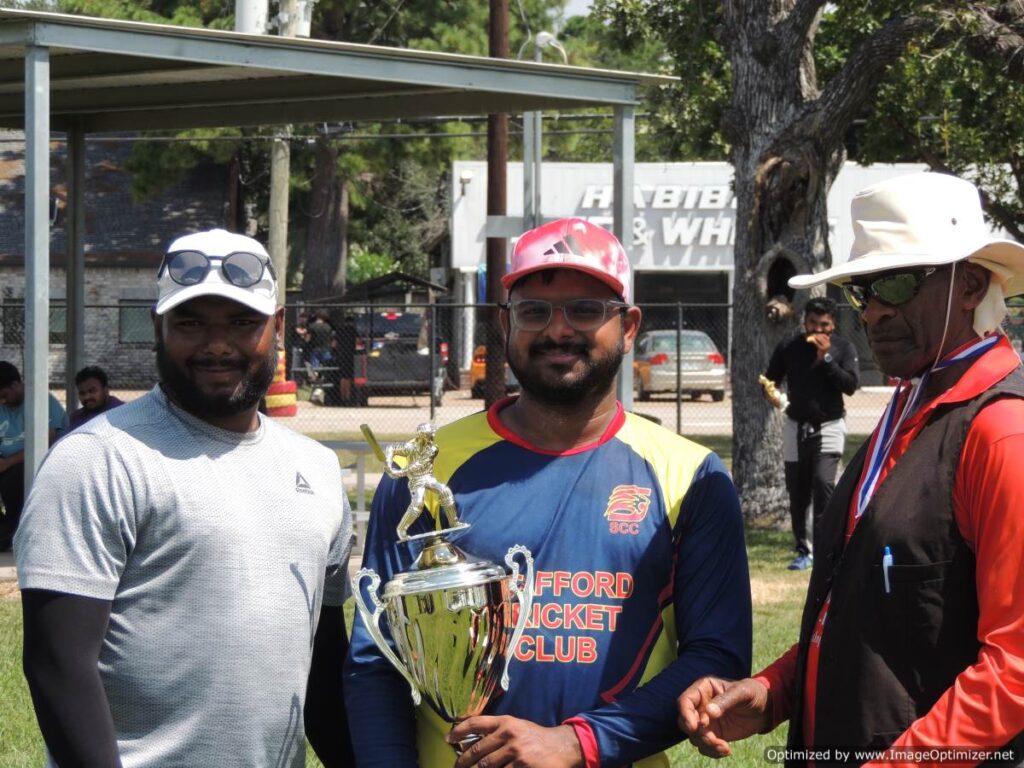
(819, 367)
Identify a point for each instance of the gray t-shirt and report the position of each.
(216, 549)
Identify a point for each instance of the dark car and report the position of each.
(392, 355)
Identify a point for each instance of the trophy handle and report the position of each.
(524, 595)
(372, 621)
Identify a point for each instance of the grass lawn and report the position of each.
(777, 593)
(722, 445)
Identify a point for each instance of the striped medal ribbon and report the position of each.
(904, 401)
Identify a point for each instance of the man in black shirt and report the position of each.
(818, 367)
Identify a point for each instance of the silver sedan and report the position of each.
(699, 368)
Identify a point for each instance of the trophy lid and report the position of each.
(442, 565)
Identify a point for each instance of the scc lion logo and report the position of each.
(627, 507)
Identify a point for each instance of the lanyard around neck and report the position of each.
(904, 402)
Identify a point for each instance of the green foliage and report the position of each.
(680, 38)
(405, 213)
(938, 104)
(365, 265)
(216, 14)
(941, 106)
(156, 165)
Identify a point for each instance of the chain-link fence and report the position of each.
(395, 366)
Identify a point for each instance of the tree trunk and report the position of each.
(787, 147)
(325, 267)
(782, 202)
(783, 175)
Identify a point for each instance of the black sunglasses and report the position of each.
(580, 314)
(892, 290)
(241, 268)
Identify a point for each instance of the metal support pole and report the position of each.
(530, 179)
(623, 152)
(538, 159)
(74, 358)
(433, 360)
(533, 151)
(37, 256)
(280, 173)
(679, 367)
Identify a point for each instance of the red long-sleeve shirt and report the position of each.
(985, 705)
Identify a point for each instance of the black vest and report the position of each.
(885, 658)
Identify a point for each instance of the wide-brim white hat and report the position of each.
(261, 297)
(922, 220)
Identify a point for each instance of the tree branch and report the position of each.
(997, 41)
(794, 30)
(845, 94)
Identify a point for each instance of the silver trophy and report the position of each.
(451, 614)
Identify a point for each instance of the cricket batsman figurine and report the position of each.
(419, 453)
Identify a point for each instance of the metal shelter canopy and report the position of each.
(84, 75)
(108, 75)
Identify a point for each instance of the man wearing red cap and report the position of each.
(641, 582)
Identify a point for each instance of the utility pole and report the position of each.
(497, 205)
(280, 171)
(250, 19)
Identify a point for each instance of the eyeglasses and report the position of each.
(240, 268)
(892, 290)
(580, 314)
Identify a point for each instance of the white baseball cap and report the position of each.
(217, 245)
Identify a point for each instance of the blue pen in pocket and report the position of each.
(886, 567)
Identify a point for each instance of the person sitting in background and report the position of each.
(93, 387)
(12, 446)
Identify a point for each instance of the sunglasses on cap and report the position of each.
(892, 290)
(580, 314)
(241, 268)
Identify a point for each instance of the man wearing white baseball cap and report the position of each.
(913, 630)
(175, 552)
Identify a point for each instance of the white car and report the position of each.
(698, 369)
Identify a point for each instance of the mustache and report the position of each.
(885, 337)
(570, 347)
(217, 364)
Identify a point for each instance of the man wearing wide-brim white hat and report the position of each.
(913, 630)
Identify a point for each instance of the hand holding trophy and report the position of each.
(451, 614)
(775, 396)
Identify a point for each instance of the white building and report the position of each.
(683, 227)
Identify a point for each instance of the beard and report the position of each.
(256, 378)
(594, 381)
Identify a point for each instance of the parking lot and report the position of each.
(399, 415)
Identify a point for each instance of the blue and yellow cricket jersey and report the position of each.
(640, 587)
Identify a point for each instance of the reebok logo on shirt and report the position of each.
(302, 484)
